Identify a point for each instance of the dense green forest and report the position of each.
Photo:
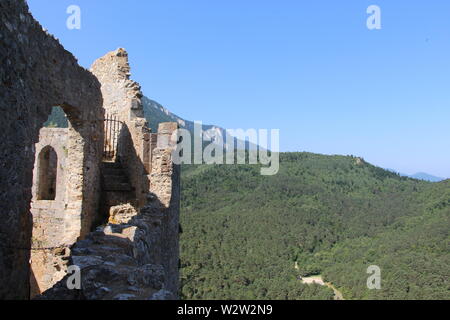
(333, 215)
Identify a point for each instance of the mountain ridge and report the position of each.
(419, 176)
(426, 176)
(156, 113)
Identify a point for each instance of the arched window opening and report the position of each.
(47, 173)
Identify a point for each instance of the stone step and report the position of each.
(112, 165)
(114, 198)
(117, 186)
(108, 179)
(115, 178)
(113, 171)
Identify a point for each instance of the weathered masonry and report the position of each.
(102, 194)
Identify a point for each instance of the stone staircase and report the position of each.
(116, 188)
(115, 178)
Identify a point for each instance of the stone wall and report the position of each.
(122, 99)
(149, 223)
(36, 74)
(49, 216)
(165, 186)
(135, 256)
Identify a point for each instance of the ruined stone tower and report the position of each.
(101, 197)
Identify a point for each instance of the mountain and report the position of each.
(333, 216)
(420, 176)
(155, 113)
(426, 177)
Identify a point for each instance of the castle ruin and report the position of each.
(102, 194)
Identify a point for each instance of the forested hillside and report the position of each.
(333, 215)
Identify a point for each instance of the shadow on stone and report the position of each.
(135, 255)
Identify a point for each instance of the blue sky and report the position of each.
(309, 68)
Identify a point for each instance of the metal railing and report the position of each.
(112, 129)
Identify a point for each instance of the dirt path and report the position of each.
(319, 280)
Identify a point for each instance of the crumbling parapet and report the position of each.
(165, 186)
(122, 100)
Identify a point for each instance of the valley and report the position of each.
(335, 215)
